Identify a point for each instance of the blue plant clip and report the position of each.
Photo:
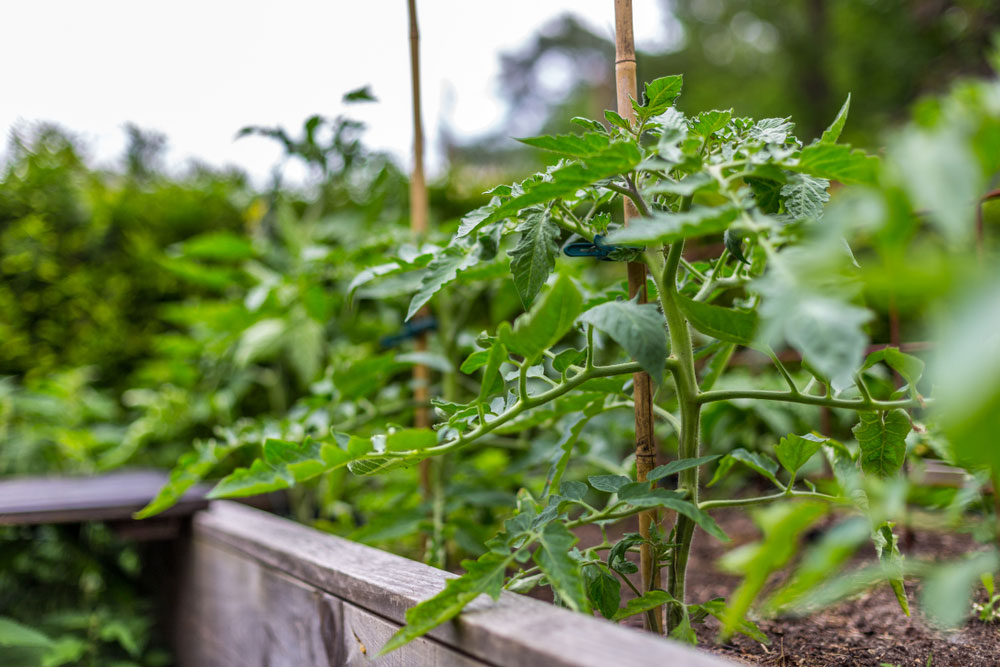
(605, 252)
(410, 329)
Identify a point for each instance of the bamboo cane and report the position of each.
(645, 447)
(419, 227)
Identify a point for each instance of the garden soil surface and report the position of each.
(869, 629)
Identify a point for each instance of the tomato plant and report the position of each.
(554, 346)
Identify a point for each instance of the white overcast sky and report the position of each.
(199, 70)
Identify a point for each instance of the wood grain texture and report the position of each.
(109, 497)
(515, 631)
(238, 612)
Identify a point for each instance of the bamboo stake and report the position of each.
(419, 227)
(645, 447)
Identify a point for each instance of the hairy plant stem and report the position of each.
(686, 384)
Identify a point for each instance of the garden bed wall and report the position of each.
(256, 589)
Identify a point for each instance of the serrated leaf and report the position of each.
(728, 324)
(603, 590)
(805, 195)
(441, 271)
(794, 450)
(561, 569)
(675, 467)
(772, 130)
(837, 162)
(546, 323)
(882, 438)
(615, 119)
(572, 145)
(734, 244)
(484, 575)
(609, 483)
(191, 468)
(649, 600)
(639, 329)
(667, 227)
(659, 95)
(710, 122)
(618, 158)
(534, 257)
(887, 548)
(832, 133)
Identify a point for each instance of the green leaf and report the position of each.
(568, 357)
(780, 524)
(659, 95)
(675, 467)
(492, 379)
(882, 437)
(287, 463)
(649, 600)
(761, 463)
(14, 634)
(609, 483)
(616, 120)
(441, 271)
(887, 548)
(546, 323)
(618, 554)
(710, 122)
(667, 227)
(794, 450)
(948, 589)
(909, 367)
(639, 494)
(191, 468)
(719, 610)
(832, 133)
(534, 257)
(475, 361)
(561, 569)
(821, 561)
(484, 575)
(618, 158)
(837, 162)
(564, 449)
(728, 324)
(220, 246)
(772, 130)
(639, 329)
(603, 590)
(805, 196)
(572, 145)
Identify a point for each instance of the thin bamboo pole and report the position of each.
(645, 447)
(429, 476)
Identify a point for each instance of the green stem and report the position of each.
(808, 399)
(760, 500)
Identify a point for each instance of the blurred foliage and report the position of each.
(759, 57)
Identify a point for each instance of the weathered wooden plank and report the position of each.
(108, 497)
(516, 631)
(237, 612)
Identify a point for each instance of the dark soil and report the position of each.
(866, 630)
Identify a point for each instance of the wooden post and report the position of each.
(645, 448)
(429, 470)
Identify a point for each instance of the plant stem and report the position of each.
(760, 500)
(809, 399)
